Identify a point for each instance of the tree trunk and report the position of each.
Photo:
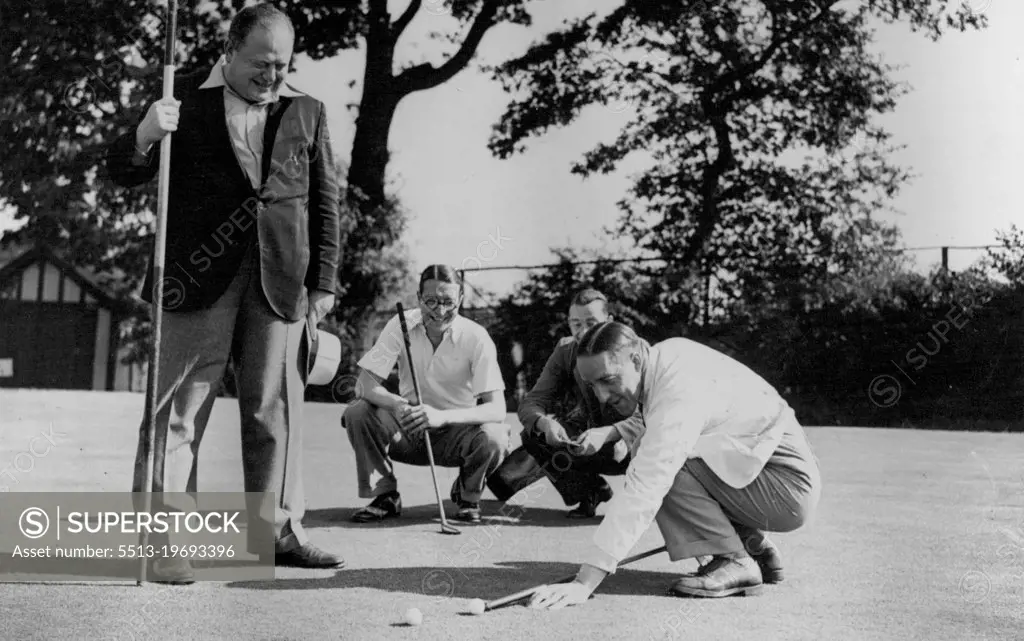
(366, 174)
(383, 90)
(369, 161)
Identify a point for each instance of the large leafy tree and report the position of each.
(1008, 259)
(756, 121)
(78, 73)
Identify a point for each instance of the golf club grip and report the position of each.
(519, 596)
(408, 354)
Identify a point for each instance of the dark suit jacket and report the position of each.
(561, 390)
(214, 213)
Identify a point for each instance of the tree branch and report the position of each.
(410, 12)
(712, 174)
(715, 111)
(427, 76)
(778, 40)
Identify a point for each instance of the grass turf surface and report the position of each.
(919, 535)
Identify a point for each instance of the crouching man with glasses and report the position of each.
(462, 390)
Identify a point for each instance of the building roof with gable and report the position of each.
(11, 270)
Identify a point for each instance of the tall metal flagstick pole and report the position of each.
(158, 284)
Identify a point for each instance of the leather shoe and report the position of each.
(385, 506)
(308, 556)
(173, 570)
(770, 562)
(723, 576)
(764, 552)
(468, 512)
(587, 508)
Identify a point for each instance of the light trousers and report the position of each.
(270, 356)
(701, 515)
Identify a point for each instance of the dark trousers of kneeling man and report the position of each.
(378, 440)
(577, 479)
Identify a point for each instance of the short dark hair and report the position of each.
(443, 273)
(263, 15)
(609, 336)
(587, 296)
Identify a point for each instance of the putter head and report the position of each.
(449, 529)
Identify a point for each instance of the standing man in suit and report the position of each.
(252, 255)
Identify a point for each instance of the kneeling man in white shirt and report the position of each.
(722, 461)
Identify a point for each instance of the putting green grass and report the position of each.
(919, 535)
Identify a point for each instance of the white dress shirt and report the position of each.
(246, 121)
(696, 403)
(464, 365)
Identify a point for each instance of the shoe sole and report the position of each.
(338, 566)
(172, 581)
(752, 590)
(373, 518)
(155, 576)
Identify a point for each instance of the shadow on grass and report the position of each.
(492, 513)
(485, 583)
(18, 570)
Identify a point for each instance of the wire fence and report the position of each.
(486, 298)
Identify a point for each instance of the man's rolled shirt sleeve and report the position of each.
(119, 166)
(381, 358)
(675, 418)
(485, 369)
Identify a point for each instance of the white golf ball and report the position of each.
(413, 616)
(476, 606)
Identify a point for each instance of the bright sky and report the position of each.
(963, 124)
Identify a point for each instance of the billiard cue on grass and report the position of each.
(523, 594)
(445, 527)
(163, 191)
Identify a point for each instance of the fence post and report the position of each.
(707, 293)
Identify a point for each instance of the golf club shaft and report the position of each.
(419, 401)
(523, 594)
(163, 192)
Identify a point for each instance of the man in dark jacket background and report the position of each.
(252, 253)
(568, 435)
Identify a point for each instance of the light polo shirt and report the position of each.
(246, 122)
(464, 366)
(696, 403)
